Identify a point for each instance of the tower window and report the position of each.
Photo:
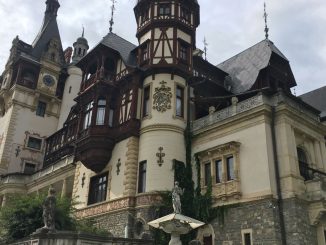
(146, 101)
(98, 189)
(70, 89)
(79, 51)
(88, 115)
(183, 52)
(144, 53)
(142, 177)
(101, 106)
(145, 16)
(179, 101)
(41, 108)
(164, 10)
(185, 14)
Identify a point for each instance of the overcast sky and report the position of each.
(297, 28)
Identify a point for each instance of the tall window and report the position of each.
(247, 237)
(179, 101)
(142, 177)
(98, 188)
(185, 14)
(218, 171)
(164, 9)
(230, 168)
(34, 143)
(88, 115)
(207, 173)
(111, 114)
(145, 15)
(144, 53)
(101, 106)
(146, 101)
(125, 110)
(183, 52)
(303, 164)
(41, 108)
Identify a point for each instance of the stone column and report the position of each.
(323, 153)
(130, 174)
(310, 147)
(318, 155)
(64, 188)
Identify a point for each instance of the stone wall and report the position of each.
(297, 224)
(116, 222)
(260, 216)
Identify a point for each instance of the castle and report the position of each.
(106, 126)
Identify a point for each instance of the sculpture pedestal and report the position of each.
(176, 225)
(175, 239)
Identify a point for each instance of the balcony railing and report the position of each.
(61, 143)
(309, 173)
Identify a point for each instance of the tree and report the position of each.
(22, 215)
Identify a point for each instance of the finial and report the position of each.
(112, 14)
(83, 31)
(265, 17)
(205, 48)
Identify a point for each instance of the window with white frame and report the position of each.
(220, 167)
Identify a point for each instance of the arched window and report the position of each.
(100, 117)
(303, 164)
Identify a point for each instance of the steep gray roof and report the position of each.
(244, 67)
(49, 30)
(316, 98)
(122, 46)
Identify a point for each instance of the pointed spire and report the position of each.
(205, 47)
(265, 18)
(83, 32)
(112, 14)
(52, 7)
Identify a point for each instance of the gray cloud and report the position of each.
(296, 27)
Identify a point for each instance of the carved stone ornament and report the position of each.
(162, 98)
(49, 205)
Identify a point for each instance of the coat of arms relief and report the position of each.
(162, 98)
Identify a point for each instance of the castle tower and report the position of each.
(80, 48)
(166, 31)
(31, 94)
(74, 80)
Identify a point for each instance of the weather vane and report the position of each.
(112, 14)
(205, 48)
(265, 17)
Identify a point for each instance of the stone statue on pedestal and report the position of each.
(49, 205)
(176, 201)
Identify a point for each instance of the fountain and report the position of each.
(176, 224)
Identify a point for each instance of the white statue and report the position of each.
(176, 192)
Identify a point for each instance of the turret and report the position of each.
(166, 31)
(80, 48)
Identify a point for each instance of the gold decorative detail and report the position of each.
(162, 98)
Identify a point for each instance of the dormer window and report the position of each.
(164, 9)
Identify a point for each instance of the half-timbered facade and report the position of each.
(115, 121)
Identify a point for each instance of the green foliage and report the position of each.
(22, 215)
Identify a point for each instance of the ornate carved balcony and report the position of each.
(95, 144)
